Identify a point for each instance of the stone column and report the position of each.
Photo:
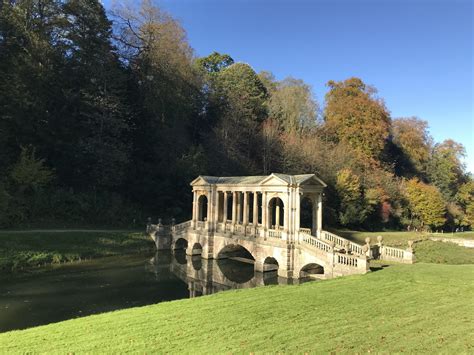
(277, 214)
(255, 209)
(195, 217)
(320, 214)
(264, 211)
(224, 219)
(314, 211)
(297, 214)
(234, 207)
(246, 208)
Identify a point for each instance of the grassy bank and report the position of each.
(26, 249)
(397, 238)
(402, 308)
(426, 251)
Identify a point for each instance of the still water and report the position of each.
(102, 285)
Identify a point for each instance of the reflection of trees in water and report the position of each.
(236, 271)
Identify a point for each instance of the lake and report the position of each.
(57, 293)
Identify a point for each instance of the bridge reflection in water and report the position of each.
(208, 276)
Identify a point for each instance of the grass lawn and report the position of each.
(402, 308)
(24, 249)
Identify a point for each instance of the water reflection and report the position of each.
(102, 285)
(205, 277)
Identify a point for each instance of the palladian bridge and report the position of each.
(274, 222)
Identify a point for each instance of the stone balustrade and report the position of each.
(345, 259)
(341, 242)
(315, 242)
(305, 230)
(274, 233)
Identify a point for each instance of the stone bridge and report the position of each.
(274, 222)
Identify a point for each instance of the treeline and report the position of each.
(105, 120)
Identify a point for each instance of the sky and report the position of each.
(417, 53)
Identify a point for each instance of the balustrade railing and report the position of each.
(228, 227)
(392, 252)
(345, 259)
(342, 242)
(220, 227)
(200, 224)
(181, 227)
(238, 228)
(305, 230)
(249, 230)
(273, 233)
(319, 244)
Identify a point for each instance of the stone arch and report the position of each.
(306, 213)
(235, 251)
(270, 264)
(180, 244)
(202, 208)
(276, 213)
(311, 270)
(196, 249)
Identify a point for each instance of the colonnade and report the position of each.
(270, 210)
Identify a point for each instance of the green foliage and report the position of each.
(445, 169)
(412, 137)
(126, 116)
(292, 104)
(426, 204)
(30, 173)
(214, 62)
(24, 249)
(352, 209)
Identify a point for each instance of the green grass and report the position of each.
(397, 238)
(422, 308)
(426, 251)
(26, 249)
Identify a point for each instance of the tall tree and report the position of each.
(445, 168)
(293, 105)
(354, 115)
(412, 137)
(426, 204)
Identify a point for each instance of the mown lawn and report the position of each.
(422, 308)
(25, 249)
(397, 238)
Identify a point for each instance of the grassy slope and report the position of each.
(414, 308)
(34, 248)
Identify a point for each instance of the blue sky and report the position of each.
(417, 53)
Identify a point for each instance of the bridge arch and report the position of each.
(202, 208)
(311, 270)
(180, 244)
(276, 212)
(270, 264)
(235, 251)
(196, 249)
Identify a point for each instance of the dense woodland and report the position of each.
(105, 118)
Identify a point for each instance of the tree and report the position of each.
(412, 137)
(354, 115)
(352, 209)
(292, 104)
(243, 110)
(96, 84)
(465, 199)
(426, 204)
(445, 168)
(214, 62)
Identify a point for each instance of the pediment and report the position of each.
(313, 181)
(273, 180)
(199, 181)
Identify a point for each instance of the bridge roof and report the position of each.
(257, 180)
